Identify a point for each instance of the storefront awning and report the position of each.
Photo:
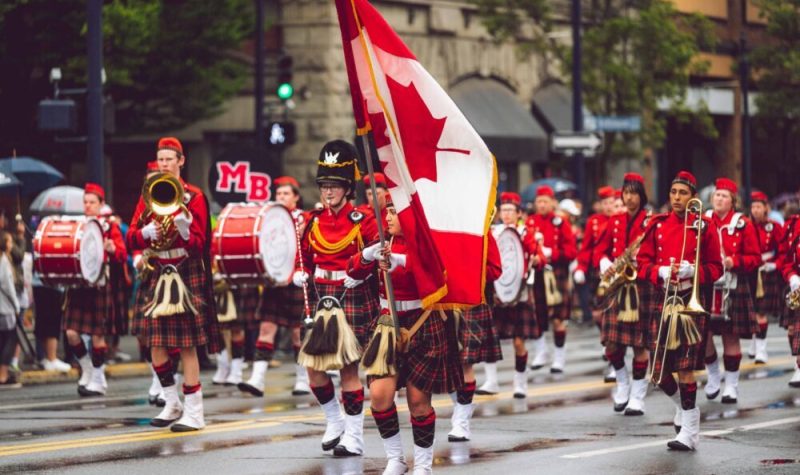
(552, 107)
(503, 122)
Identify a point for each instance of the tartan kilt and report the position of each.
(284, 306)
(361, 306)
(517, 321)
(793, 327)
(788, 316)
(561, 311)
(90, 310)
(122, 295)
(247, 300)
(476, 332)
(432, 363)
(184, 330)
(772, 303)
(685, 357)
(634, 334)
(743, 320)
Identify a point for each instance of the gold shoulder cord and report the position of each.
(321, 245)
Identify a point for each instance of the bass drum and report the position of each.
(68, 251)
(508, 288)
(255, 242)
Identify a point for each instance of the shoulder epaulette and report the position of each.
(356, 216)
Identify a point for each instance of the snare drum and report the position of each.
(68, 251)
(509, 286)
(254, 242)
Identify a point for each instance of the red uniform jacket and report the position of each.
(403, 283)
(494, 266)
(620, 232)
(323, 244)
(592, 234)
(195, 203)
(789, 261)
(111, 231)
(739, 242)
(665, 242)
(556, 233)
(770, 235)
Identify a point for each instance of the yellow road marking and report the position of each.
(160, 434)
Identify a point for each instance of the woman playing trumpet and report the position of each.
(670, 260)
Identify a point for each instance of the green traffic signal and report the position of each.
(285, 91)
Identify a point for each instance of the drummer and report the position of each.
(90, 310)
(281, 307)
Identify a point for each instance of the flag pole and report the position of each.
(366, 143)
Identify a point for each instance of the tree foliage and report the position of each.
(168, 63)
(636, 55)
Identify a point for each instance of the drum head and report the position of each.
(277, 243)
(91, 251)
(512, 257)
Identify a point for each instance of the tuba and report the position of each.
(677, 322)
(163, 199)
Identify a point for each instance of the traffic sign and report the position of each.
(613, 123)
(576, 142)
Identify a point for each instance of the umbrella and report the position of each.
(8, 181)
(59, 200)
(559, 185)
(34, 174)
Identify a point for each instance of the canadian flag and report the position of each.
(440, 173)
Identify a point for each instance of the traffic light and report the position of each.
(285, 90)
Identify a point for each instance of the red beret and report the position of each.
(687, 179)
(545, 190)
(170, 143)
(605, 192)
(152, 166)
(727, 184)
(618, 193)
(380, 180)
(286, 180)
(95, 189)
(633, 177)
(759, 196)
(509, 197)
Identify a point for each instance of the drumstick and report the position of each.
(307, 321)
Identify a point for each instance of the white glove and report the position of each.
(769, 267)
(182, 222)
(150, 231)
(663, 272)
(686, 270)
(396, 260)
(299, 278)
(350, 282)
(794, 282)
(547, 252)
(605, 264)
(372, 252)
(579, 277)
(137, 262)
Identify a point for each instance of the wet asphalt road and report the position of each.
(566, 425)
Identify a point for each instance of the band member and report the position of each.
(479, 344)
(174, 303)
(624, 325)
(552, 302)
(90, 310)
(586, 265)
(281, 307)
(667, 261)
(426, 366)
(382, 190)
(333, 235)
(790, 268)
(518, 321)
(732, 314)
(246, 300)
(766, 285)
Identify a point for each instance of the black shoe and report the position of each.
(677, 428)
(160, 402)
(297, 392)
(452, 438)
(246, 388)
(183, 428)
(620, 407)
(557, 371)
(10, 383)
(331, 444)
(609, 379)
(728, 400)
(678, 446)
(760, 362)
(538, 366)
(341, 451)
(634, 412)
(794, 384)
(156, 422)
(86, 393)
(519, 395)
(156, 401)
(82, 391)
(711, 397)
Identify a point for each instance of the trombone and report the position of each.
(674, 311)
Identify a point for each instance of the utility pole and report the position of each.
(94, 92)
(744, 79)
(259, 77)
(577, 99)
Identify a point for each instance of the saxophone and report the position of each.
(622, 270)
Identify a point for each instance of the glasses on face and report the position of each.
(330, 187)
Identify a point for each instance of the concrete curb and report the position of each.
(119, 370)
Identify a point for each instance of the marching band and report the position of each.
(664, 285)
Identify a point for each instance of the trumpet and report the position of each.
(675, 312)
(163, 197)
